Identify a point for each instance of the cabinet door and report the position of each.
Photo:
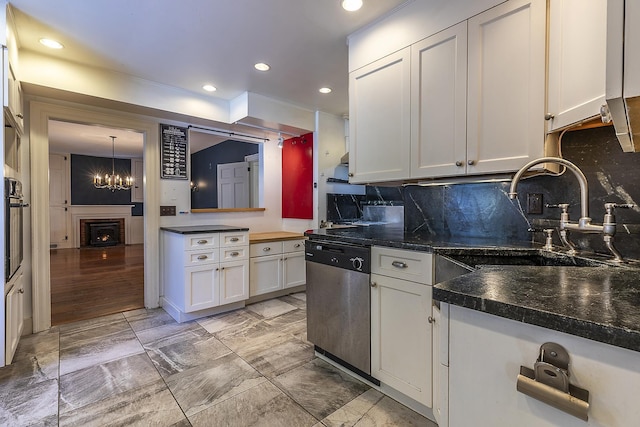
(401, 336)
(294, 269)
(14, 317)
(265, 274)
(439, 104)
(577, 60)
(201, 287)
(137, 192)
(379, 119)
(58, 201)
(487, 352)
(506, 86)
(234, 281)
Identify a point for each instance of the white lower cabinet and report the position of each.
(401, 331)
(234, 279)
(276, 265)
(485, 355)
(203, 271)
(14, 316)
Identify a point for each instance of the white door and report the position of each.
(577, 60)
(233, 185)
(234, 281)
(265, 274)
(137, 170)
(58, 201)
(379, 119)
(439, 104)
(506, 86)
(294, 271)
(401, 336)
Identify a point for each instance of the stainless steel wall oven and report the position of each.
(14, 207)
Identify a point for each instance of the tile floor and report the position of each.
(249, 367)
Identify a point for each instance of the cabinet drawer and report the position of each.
(293, 246)
(408, 265)
(234, 253)
(268, 248)
(201, 257)
(234, 239)
(200, 241)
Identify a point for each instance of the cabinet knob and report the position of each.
(549, 116)
(458, 163)
(203, 242)
(431, 319)
(21, 290)
(471, 162)
(267, 249)
(20, 116)
(351, 174)
(202, 257)
(297, 245)
(234, 253)
(234, 239)
(374, 284)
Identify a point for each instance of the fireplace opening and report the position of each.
(103, 233)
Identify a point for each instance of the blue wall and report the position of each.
(204, 167)
(84, 168)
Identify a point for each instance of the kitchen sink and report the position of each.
(478, 260)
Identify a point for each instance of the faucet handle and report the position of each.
(609, 207)
(563, 206)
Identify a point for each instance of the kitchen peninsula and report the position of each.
(494, 319)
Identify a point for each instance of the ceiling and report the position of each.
(188, 43)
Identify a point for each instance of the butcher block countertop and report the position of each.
(274, 236)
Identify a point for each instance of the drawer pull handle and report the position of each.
(234, 239)
(234, 253)
(202, 257)
(399, 264)
(203, 242)
(267, 249)
(297, 245)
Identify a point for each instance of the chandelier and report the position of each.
(113, 182)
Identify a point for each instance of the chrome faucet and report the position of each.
(608, 227)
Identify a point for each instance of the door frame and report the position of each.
(40, 114)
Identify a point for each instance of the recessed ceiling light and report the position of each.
(51, 43)
(324, 90)
(261, 66)
(209, 88)
(351, 5)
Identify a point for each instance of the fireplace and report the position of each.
(104, 234)
(101, 232)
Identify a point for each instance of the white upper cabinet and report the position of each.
(577, 60)
(439, 104)
(467, 100)
(379, 119)
(506, 86)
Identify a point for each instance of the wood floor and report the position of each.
(92, 282)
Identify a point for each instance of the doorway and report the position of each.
(90, 278)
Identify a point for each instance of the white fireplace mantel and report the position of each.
(79, 212)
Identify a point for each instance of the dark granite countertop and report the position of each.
(194, 229)
(598, 302)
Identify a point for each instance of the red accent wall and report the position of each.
(297, 177)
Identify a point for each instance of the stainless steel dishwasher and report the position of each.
(339, 303)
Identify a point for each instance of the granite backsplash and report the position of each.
(485, 210)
